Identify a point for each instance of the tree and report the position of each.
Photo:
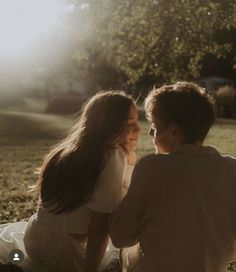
(166, 39)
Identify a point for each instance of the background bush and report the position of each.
(226, 102)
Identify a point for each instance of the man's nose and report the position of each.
(151, 131)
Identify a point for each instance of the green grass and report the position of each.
(26, 137)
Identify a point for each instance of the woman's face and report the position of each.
(166, 138)
(130, 135)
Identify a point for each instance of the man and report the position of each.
(181, 204)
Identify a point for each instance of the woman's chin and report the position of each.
(132, 145)
(132, 149)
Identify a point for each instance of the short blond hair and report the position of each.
(185, 104)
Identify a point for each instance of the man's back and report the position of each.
(190, 224)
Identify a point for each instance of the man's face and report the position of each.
(163, 135)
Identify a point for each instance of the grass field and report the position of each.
(25, 138)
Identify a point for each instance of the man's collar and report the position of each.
(196, 149)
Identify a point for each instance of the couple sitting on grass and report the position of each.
(176, 213)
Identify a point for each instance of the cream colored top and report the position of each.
(181, 207)
(49, 237)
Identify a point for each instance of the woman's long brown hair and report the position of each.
(69, 172)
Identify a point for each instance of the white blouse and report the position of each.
(44, 228)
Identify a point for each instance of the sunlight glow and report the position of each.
(24, 24)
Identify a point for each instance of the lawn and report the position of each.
(25, 138)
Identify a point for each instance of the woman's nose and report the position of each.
(137, 128)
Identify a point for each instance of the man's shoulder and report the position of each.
(152, 161)
(155, 157)
(229, 158)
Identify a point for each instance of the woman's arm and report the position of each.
(126, 221)
(97, 241)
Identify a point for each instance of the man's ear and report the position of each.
(177, 132)
(174, 130)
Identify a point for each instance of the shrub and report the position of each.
(65, 104)
(226, 102)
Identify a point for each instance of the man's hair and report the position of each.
(184, 104)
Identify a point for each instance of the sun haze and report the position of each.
(24, 24)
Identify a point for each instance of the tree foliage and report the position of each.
(163, 39)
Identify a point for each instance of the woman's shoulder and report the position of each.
(115, 154)
(115, 163)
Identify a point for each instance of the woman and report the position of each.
(81, 182)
